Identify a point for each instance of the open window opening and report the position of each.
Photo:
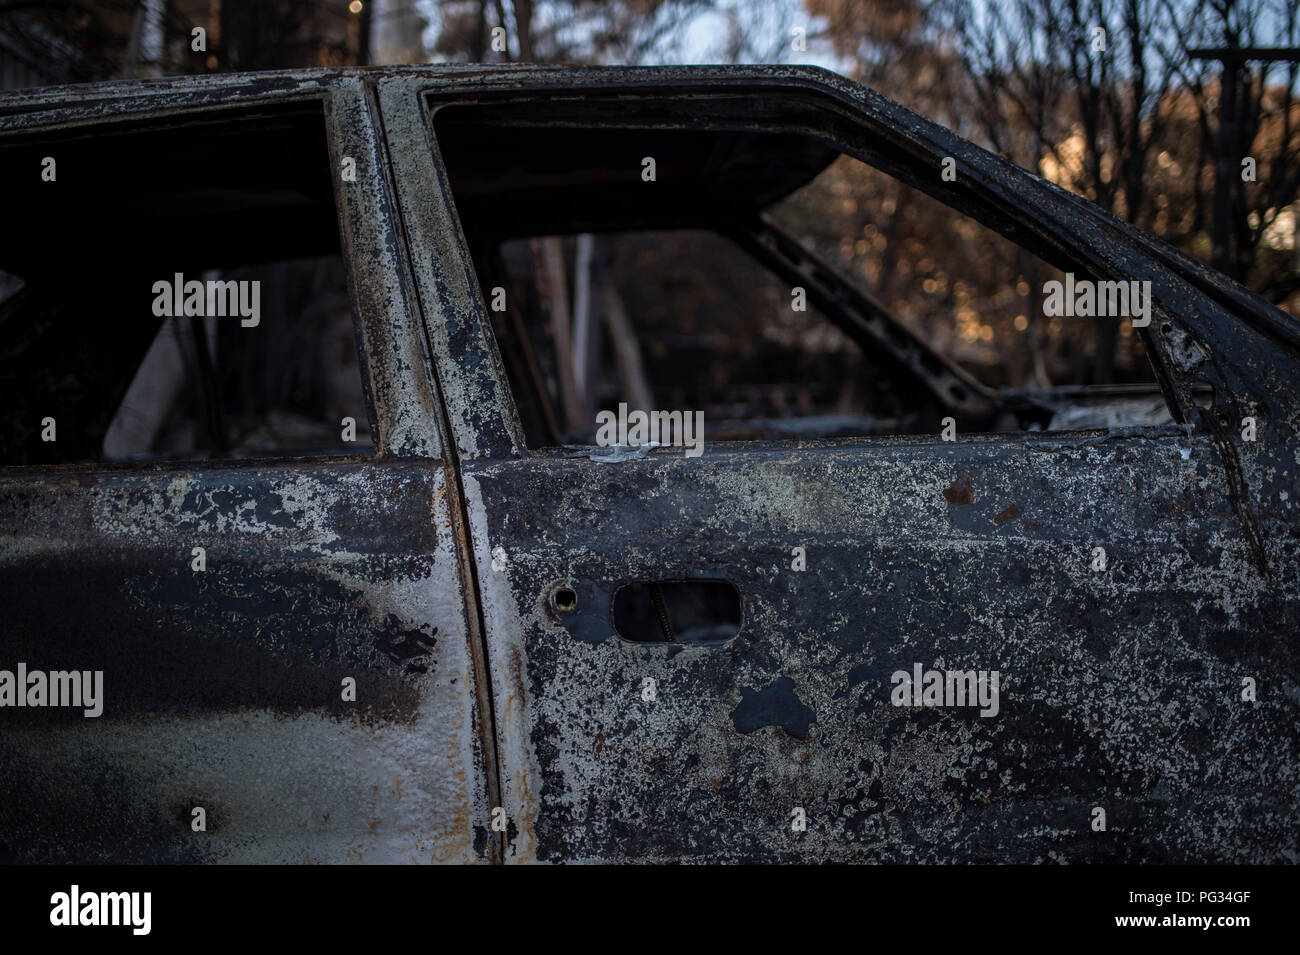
(183, 294)
(636, 255)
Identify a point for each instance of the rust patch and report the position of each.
(1010, 514)
(959, 492)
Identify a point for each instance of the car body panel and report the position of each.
(426, 573)
(224, 688)
(1119, 690)
(1123, 687)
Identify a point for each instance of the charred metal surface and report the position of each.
(223, 687)
(388, 323)
(483, 419)
(1119, 689)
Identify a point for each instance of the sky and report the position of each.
(705, 38)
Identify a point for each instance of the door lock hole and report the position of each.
(564, 599)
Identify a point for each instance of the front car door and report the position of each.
(1122, 680)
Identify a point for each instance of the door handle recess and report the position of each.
(676, 612)
(688, 612)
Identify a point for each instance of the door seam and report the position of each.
(480, 652)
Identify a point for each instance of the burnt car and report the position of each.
(358, 581)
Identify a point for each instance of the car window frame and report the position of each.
(1205, 330)
(402, 407)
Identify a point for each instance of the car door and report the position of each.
(289, 666)
(1132, 591)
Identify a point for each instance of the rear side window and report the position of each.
(176, 292)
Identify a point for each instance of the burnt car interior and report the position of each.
(245, 196)
(534, 195)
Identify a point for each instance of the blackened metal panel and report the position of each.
(471, 380)
(1119, 690)
(389, 327)
(1124, 686)
(224, 688)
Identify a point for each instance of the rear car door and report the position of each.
(288, 669)
(1124, 587)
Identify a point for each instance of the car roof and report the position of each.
(281, 82)
(574, 165)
